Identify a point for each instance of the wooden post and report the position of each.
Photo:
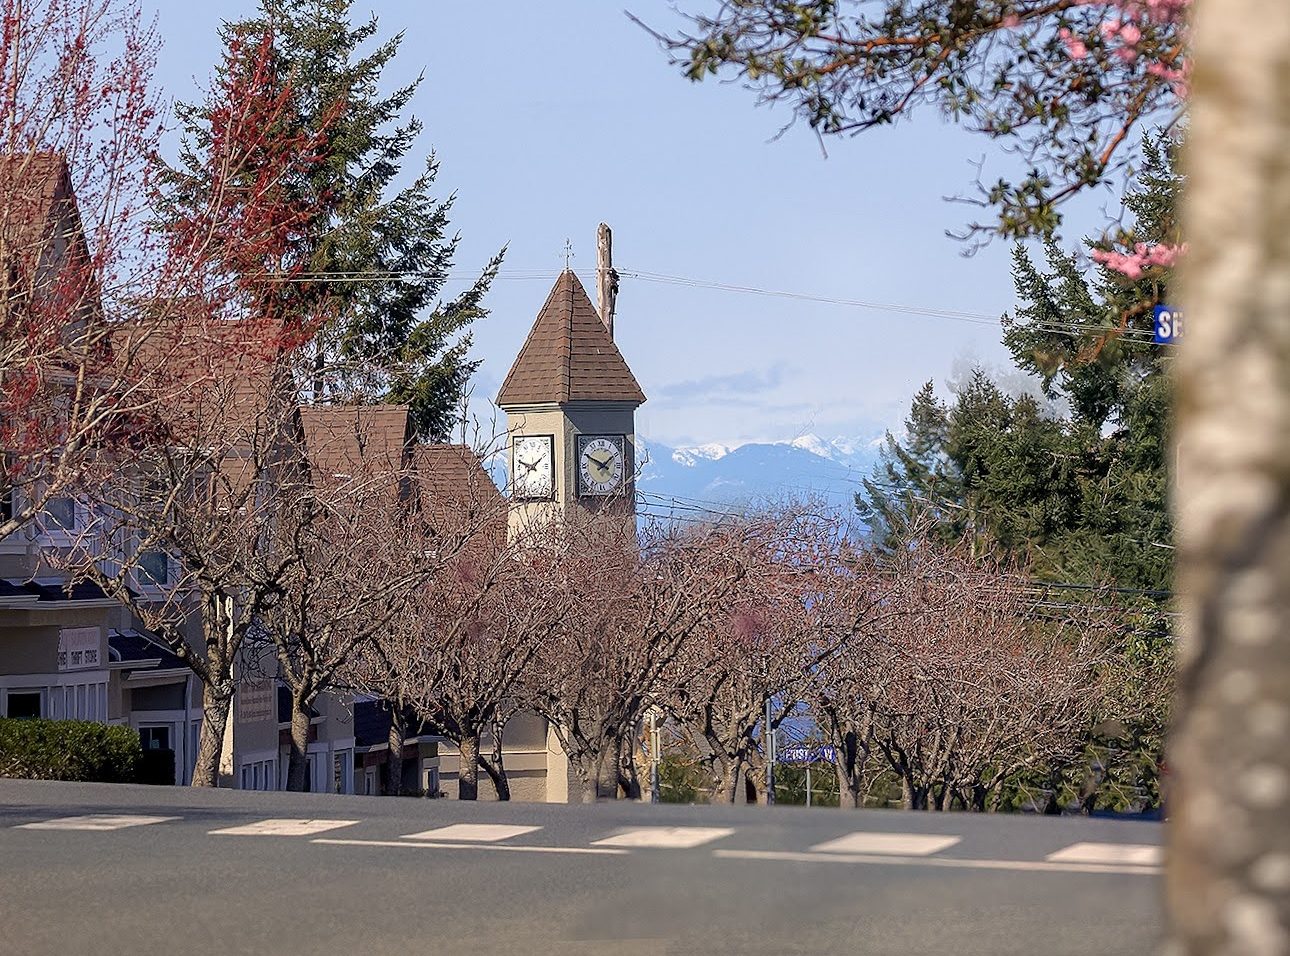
(606, 277)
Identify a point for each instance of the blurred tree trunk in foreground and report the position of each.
(1229, 869)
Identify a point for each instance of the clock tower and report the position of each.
(570, 403)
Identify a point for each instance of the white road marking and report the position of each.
(476, 832)
(897, 844)
(95, 821)
(671, 837)
(947, 862)
(426, 845)
(1123, 854)
(285, 827)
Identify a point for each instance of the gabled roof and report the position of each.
(32, 188)
(207, 375)
(569, 356)
(351, 442)
(454, 483)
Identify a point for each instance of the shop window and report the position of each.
(23, 704)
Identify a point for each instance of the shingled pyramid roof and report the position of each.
(569, 355)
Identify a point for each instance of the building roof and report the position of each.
(457, 491)
(32, 185)
(131, 646)
(48, 592)
(456, 473)
(372, 722)
(569, 356)
(211, 378)
(350, 442)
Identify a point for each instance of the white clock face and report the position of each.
(532, 467)
(601, 465)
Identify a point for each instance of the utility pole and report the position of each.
(768, 735)
(654, 754)
(606, 277)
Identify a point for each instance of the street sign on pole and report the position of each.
(1168, 324)
(823, 754)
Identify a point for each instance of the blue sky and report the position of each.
(550, 117)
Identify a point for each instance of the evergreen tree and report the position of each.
(385, 248)
(1074, 488)
(1077, 487)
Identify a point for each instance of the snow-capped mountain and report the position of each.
(752, 472)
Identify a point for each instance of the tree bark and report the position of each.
(217, 701)
(629, 783)
(495, 765)
(1228, 880)
(297, 758)
(468, 771)
(607, 771)
(394, 761)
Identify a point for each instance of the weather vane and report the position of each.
(568, 252)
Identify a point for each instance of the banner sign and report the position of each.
(78, 647)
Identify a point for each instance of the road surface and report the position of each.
(98, 869)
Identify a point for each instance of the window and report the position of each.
(154, 568)
(6, 502)
(23, 704)
(155, 738)
(60, 514)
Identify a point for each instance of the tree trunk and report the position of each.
(726, 781)
(468, 771)
(394, 761)
(495, 765)
(628, 780)
(849, 795)
(607, 772)
(297, 759)
(1228, 881)
(217, 701)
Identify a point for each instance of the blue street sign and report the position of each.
(806, 755)
(1168, 326)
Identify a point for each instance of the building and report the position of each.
(570, 401)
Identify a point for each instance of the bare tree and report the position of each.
(389, 590)
(78, 123)
(970, 683)
(630, 609)
(755, 647)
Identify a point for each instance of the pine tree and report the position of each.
(1075, 487)
(385, 248)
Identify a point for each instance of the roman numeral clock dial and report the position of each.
(602, 464)
(532, 473)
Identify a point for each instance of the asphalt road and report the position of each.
(100, 869)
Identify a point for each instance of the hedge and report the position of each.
(69, 750)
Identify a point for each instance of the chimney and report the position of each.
(606, 277)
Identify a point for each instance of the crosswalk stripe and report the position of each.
(285, 827)
(897, 844)
(670, 837)
(472, 832)
(95, 821)
(878, 859)
(1129, 854)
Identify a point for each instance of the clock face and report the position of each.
(532, 469)
(601, 464)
